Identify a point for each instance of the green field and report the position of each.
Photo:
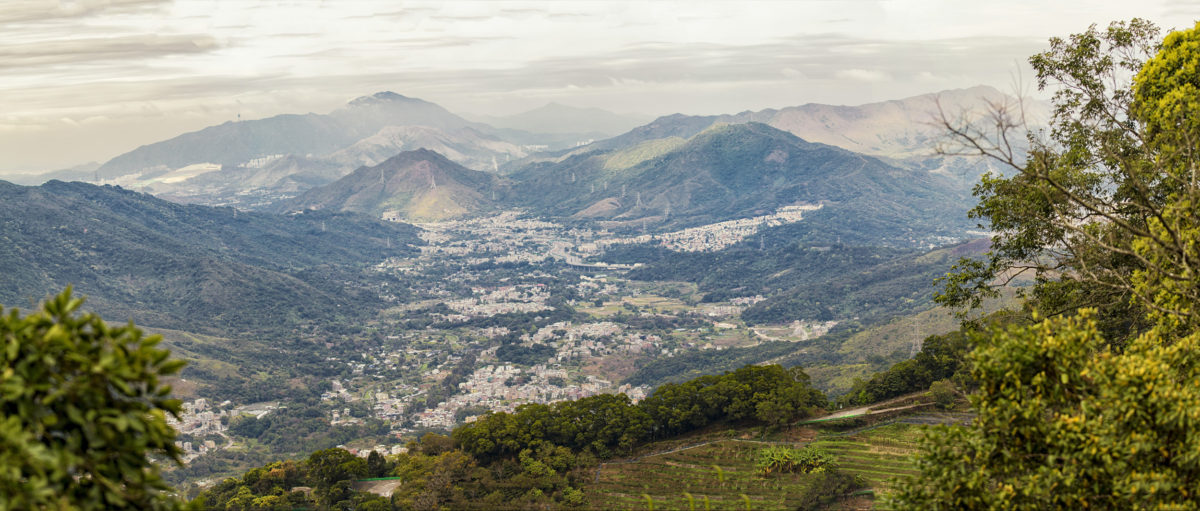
(878, 454)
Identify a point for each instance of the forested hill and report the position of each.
(737, 171)
(191, 267)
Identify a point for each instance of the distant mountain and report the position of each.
(235, 143)
(466, 146)
(731, 171)
(905, 132)
(414, 185)
(264, 182)
(189, 267)
(84, 172)
(557, 118)
(251, 164)
(899, 128)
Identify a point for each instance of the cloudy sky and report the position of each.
(89, 79)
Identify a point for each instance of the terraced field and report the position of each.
(723, 471)
(879, 455)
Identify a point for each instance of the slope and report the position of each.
(734, 171)
(234, 143)
(193, 268)
(415, 185)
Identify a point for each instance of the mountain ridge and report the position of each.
(414, 185)
(186, 266)
(731, 171)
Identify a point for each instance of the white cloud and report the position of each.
(141, 71)
(862, 75)
(788, 72)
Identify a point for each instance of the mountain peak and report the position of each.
(381, 97)
(417, 185)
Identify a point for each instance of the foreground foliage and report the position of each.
(83, 409)
(607, 425)
(1065, 422)
(1096, 408)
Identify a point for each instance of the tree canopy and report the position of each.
(83, 409)
(1098, 405)
(1102, 209)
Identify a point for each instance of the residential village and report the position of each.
(467, 341)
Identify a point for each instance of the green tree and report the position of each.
(1066, 423)
(1102, 212)
(943, 393)
(331, 472)
(1098, 409)
(83, 411)
(377, 465)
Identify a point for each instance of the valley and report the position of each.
(499, 311)
(418, 271)
(599, 255)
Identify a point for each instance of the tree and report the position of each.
(1093, 407)
(1066, 423)
(943, 393)
(377, 466)
(1103, 212)
(83, 411)
(332, 471)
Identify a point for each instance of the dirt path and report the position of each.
(861, 412)
(871, 409)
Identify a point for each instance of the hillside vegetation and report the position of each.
(188, 267)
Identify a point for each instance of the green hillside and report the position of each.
(721, 467)
(737, 171)
(196, 268)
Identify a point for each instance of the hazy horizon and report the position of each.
(88, 80)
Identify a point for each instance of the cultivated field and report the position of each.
(723, 472)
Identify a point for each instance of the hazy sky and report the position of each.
(89, 79)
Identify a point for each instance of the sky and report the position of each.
(87, 80)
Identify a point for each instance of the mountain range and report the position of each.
(731, 171)
(557, 118)
(188, 266)
(873, 162)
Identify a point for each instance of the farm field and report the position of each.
(722, 470)
(879, 455)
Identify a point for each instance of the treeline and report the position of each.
(941, 357)
(607, 425)
(324, 479)
(536, 457)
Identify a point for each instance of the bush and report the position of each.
(83, 410)
(944, 394)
